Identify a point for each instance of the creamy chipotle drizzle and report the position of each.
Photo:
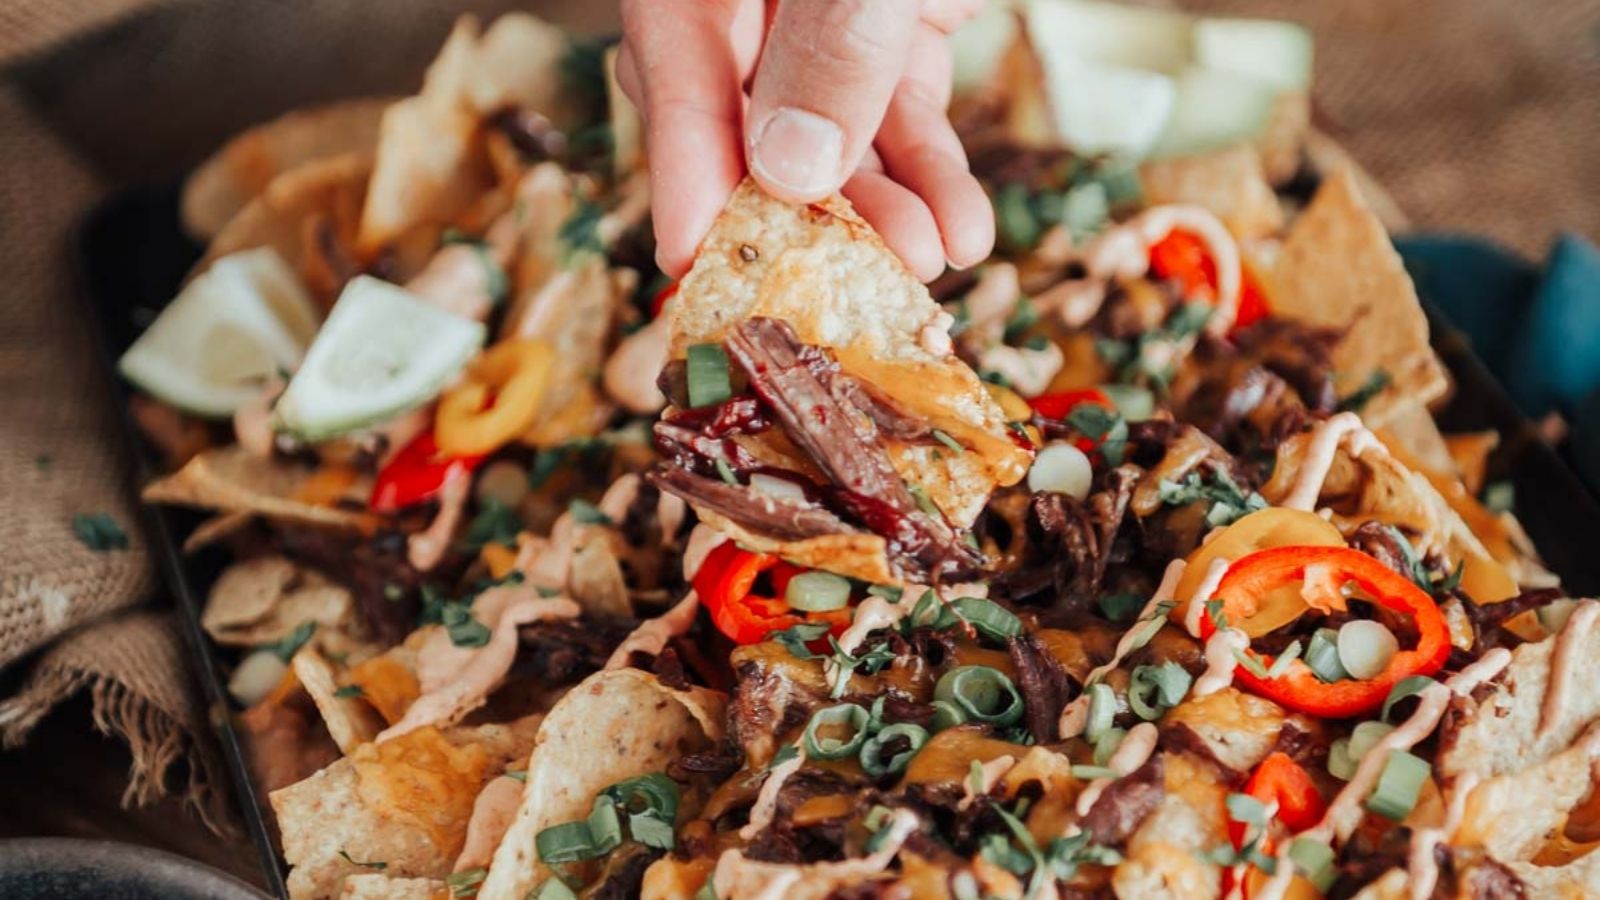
(1420, 863)
(737, 876)
(766, 805)
(1344, 813)
(1202, 593)
(1325, 441)
(1133, 752)
(652, 636)
(1075, 715)
(426, 548)
(1222, 658)
(1124, 252)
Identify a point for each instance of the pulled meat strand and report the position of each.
(777, 517)
(1124, 806)
(1045, 686)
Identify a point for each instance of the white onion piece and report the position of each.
(1365, 648)
(780, 488)
(504, 482)
(1554, 615)
(1063, 469)
(256, 676)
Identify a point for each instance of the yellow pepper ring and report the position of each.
(1264, 528)
(498, 401)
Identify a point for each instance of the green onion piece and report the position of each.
(707, 375)
(845, 715)
(946, 715)
(1365, 736)
(554, 889)
(605, 826)
(1088, 773)
(725, 471)
(945, 439)
(1407, 687)
(1120, 608)
(1280, 665)
(708, 891)
(1102, 708)
(465, 883)
(989, 618)
(1246, 810)
(889, 592)
(1152, 690)
(1398, 786)
(1340, 765)
(923, 503)
(872, 760)
(567, 842)
(982, 693)
(1135, 403)
(1251, 662)
(1365, 647)
(818, 591)
(1315, 859)
(1322, 656)
(1500, 496)
(1107, 745)
(653, 794)
(651, 831)
(1554, 615)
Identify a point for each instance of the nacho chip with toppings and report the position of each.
(232, 479)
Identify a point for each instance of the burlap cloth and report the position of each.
(1477, 115)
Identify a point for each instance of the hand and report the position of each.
(847, 93)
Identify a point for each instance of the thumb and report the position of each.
(820, 91)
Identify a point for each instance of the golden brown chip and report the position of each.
(262, 600)
(1228, 182)
(350, 720)
(821, 268)
(404, 803)
(321, 193)
(239, 172)
(1512, 816)
(1337, 269)
(232, 479)
(1413, 432)
(375, 886)
(615, 725)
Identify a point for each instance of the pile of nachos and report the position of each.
(1127, 564)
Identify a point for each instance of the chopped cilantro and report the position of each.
(1229, 502)
(580, 233)
(1120, 608)
(870, 662)
(796, 637)
(1372, 387)
(374, 865)
(349, 690)
(99, 532)
(585, 513)
(464, 629)
(1023, 316)
(495, 523)
(290, 644)
(1105, 427)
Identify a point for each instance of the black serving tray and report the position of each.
(132, 254)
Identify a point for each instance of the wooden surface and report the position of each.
(67, 781)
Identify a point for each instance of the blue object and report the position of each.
(1538, 330)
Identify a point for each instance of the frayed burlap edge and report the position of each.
(171, 747)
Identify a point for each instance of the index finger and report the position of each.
(684, 66)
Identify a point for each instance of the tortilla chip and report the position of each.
(1228, 182)
(824, 270)
(1166, 854)
(616, 724)
(1413, 432)
(261, 600)
(1470, 452)
(239, 172)
(1514, 815)
(373, 886)
(404, 803)
(232, 479)
(519, 63)
(329, 189)
(1576, 880)
(854, 555)
(351, 721)
(1337, 269)
(215, 529)
(1499, 734)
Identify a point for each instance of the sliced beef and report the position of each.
(736, 415)
(623, 874)
(1073, 540)
(1044, 684)
(375, 571)
(819, 409)
(780, 518)
(1126, 803)
(1377, 541)
(691, 449)
(564, 651)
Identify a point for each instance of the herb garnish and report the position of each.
(1229, 501)
(495, 523)
(1105, 427)
(290, 644)
(375, 865)
(1372, 387)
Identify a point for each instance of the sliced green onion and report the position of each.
(605, 826)
(982, 693)
(1340, 764)
(1365, 648)
(946, 715)
(1089, 773)
(1102, 708)
(818, 591)
(945, 439)
(725, 471)
(1152, 690)
(655, 794)
(923, 503)
(1281, 664)
(1322, 656)
(1553, 615)
(845, 715)
(1251, 662)
(889, 592)
(465, 883)
(1107, 745)
(1500, 496)
(651, 831)
(1120, 608)
(1246, 810)
(1135, 403)
(1365, 736)
(872, 760)
(1399, 785)
(706, 372)
(567, 842)
(1315, 859)
(989, 618)
(554, 889)
(1407, 687)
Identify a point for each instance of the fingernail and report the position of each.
(798, 150)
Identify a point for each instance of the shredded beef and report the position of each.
(777, 517)
(1044, 685)
(717, 764)
(817, 407)
(1126, 803)
(695, 451)
(561, 652)
(1375, 540)
(373, 570)
(1074, 541)
(668, 669)
(765, 703)
(736, 415)
(533, 135)
(623, 875)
